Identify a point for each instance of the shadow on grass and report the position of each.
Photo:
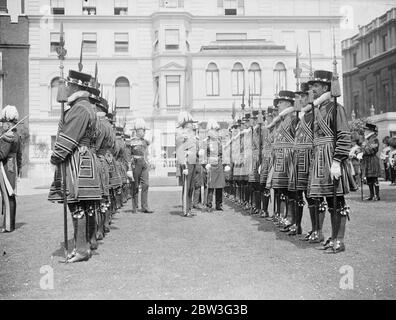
(61, 251)
(19, 225)
(268, 226)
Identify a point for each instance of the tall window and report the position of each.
(89, 7)
(280, 77)
(230, 7)
(212, 80)
(384, 42)
(57, 6)
(386, 93)
(121, 42)
(173, 91)
(370, 99)
(354, 59)
(370, 51)
(356, 105)
(55, 105)
(122, 92)
(171, 39)
(255, 79)
(120, 7)
(54, 41)
(89, 43)
(238, 79)
(171, 3)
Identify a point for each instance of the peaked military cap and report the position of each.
(284, 95)
(80, 78)
(304, 88)
(321, 76)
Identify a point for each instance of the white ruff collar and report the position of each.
(76, 95)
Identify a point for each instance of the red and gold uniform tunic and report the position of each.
(282, 149)
(320, 181)
(75, 146)
(302, 154)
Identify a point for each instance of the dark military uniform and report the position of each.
(11, 161)
(371, 169)
(75, 145)
(267, 136)
(187, 157)
(140, 168)
(215, 173)
(324, 156)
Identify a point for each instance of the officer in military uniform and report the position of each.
(246, 159)
(370, 162)
(115, 181)
(200, 175)
(214, 168)
(103, 143)
(10, 163)
(187, 156)
(285, 125)
(328, 162)
(254, 176)
(74, 146)
(301, 159)
(266, 161)
(140, 166)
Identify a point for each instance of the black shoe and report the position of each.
(219, 208)
(147, 211)
(286, 228)
(337, 247)
(307, 236)
(376, 198)
(369, 198)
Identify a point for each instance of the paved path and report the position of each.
(227, 255)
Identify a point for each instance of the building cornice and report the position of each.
(90, 58)
(185, 15)
(14, 46)
(376, 58)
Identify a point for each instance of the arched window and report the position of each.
(280, 77)
(122, 92)
(255, 79)
(55, 105)
(212, 80)
(238, 79)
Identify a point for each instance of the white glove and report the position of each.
(185, 171)
(130, 174)
(201, 152)
(360, 156)
(335, 170)
(227, 168)
(207, 167)
(259, 169)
